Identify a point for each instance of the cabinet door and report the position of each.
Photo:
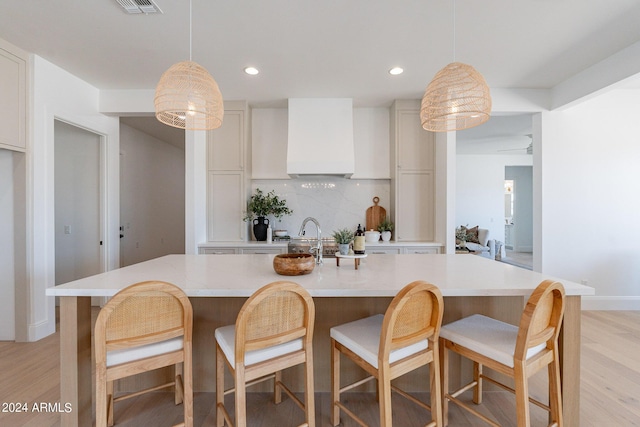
(225, 148)
(371, 250)
(421, 250)
(263, 250)
(225, 207)
(416, 146)
(415, 215)
(217, 251)
(12, 101)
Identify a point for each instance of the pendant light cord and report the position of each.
(190, 31)
(454, 30)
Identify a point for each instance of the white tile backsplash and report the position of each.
(334, 201)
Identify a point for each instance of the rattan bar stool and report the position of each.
(273, 331)
(144, 327)
(389, 346)
(518, 352)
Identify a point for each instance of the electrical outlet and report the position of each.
(67, 229)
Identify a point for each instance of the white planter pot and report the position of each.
(343, 248)
(386, 236)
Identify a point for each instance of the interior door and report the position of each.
(77, 203)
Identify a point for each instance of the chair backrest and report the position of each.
(541, 318)
(414, 314)
(141, 314)
(275, 314)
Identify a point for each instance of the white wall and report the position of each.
(480, 190)
(152, 197)
(7, 226)
(590, 198)
(58, 94)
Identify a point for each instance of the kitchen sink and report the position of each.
(303, 245)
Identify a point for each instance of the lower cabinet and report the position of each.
(217, 251)
(421, 250)
(393, 251)
(263, 250)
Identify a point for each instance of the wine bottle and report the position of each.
(358, 242)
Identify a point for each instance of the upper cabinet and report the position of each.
(269, 143)
(13, 101)
(371, 139)
(225, 149)
(412, 174)
(226, 177)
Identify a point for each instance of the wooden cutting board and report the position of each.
(375, 215)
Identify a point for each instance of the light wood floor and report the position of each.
(610, 388)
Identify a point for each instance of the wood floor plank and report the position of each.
(610, 388)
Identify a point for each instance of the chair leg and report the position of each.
(522, 395)
(310, 404)
(219, 386)
(335, 383)
(110, 403)
(241, 397)
(435, 387)
(277, 391)
(187, 391)
(444, 353)
(555, 392)
(101, 400)
(477, 377)
(384, 390)
(179, 386)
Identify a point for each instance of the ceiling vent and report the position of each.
(139, 6)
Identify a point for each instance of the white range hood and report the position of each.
(320, 138)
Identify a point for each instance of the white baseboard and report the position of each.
(611, 303)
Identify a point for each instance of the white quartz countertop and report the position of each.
(377, 276)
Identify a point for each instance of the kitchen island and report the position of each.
(219, 284)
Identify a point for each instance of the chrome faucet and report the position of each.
(318, 248)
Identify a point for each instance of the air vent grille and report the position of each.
(139, 6)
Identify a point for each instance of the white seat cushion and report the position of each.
(226, 338)
(487, 336)
(116, 357)
(363, 338)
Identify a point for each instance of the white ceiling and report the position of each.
(330, 48)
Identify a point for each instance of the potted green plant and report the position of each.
(385, 228)
(260, 205)
(343, 238)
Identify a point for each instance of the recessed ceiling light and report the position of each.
(251, 71)
(395, 71)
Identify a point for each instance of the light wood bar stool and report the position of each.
(518, 352)
(273, 331)
(389, 346)
(145, 326)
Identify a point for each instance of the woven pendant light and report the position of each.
(457, 98)
(187, 96)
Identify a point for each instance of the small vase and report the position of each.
(386, 236)
(343, 248)
(260, 225)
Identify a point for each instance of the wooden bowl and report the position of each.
(293, 264)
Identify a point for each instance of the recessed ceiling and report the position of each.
(309, 48)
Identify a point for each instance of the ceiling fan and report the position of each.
(528, 149)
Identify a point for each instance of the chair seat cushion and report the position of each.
(476, 247)
(363, 338)
(489, 337)
(226, 338)
(117, 357)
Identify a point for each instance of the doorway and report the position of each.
(518, 187)
(78, 213)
